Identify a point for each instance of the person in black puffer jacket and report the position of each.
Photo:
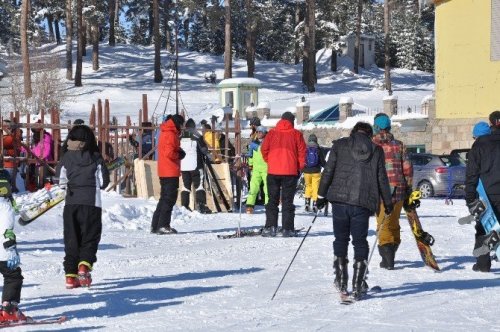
(484, 163)
(353, 180)
(83, 171)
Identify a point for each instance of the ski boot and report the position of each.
(315, 208)
(249, 209)
(359, 285)
(11, 313)
(84, 276)
(72, 281)
(341, 274)
(166, 230)
(269, 231)
(185, 199)
(307, 207)
(388, 253)
(203, 209)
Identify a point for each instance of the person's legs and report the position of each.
(341, 229)
(289, 185)
(169, 197)
(272, 211)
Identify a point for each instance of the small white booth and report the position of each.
(239, 93)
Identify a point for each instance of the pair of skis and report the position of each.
(31, 321)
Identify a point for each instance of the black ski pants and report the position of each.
(168, 197)
(82, 234)
(350, 220)
(281, 186)
(194, 178)
(12, 283)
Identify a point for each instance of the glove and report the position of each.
(476, 207)
(13, 259)
(388, 209)
(321, 202)
(182, 154)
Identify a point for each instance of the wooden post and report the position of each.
(92, 118)
(226, 138)
(144, 108)
(99, 125)
(140, 133)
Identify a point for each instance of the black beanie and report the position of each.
(495, 119)
(178, 120)
(190, 123)
(288, 116)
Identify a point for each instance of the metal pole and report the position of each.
(289, 265)
(176, 60)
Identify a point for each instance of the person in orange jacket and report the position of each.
(169, 171)
(284, 151)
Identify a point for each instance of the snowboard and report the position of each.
(31, 321)
(424, 240)
(115, 163)
(39, 202)
(489, 221)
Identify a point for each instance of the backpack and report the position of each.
(312, 156)
(147, 143)
(5, 187)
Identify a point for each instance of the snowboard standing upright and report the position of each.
(489, 221)
(424, 240)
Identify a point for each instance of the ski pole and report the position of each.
(377, 234)
(289, 265)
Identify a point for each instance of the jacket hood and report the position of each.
(383, 137)
(361, 147)
(169, 125)
(284, 125)
(77, 156)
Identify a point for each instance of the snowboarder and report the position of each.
(400, 174)
(483, 163)
(9, 257)
(315, 160)
(259, 170)
(192, 167)
(170, 155)
(284, 150)
(353, 180)
(83, 170)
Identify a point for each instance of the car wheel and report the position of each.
(426, 189)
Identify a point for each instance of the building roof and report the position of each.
(239, 82)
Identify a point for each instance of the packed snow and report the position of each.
(194, 281)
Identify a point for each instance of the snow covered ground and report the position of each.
(194, 281)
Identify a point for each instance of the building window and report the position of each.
(495, 30)
(415, 148)
(369, 46)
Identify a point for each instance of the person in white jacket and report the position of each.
(9, 257)
(192, 167)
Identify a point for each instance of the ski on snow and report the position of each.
(347, 299)
(31, 321)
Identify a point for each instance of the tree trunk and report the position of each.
(57, 30)
(309, 61)
(387, 58)
(111, 10)
(50, 26)
(168, 32)
(357, 42)
(95, 44)
(227, 41)
(298, 18)
(150, 22)
(69, 40)
(79, 49)
(250, 39)
(157, 40)
(24, 49)
(84, 35)
(185, 23)
(333, 60)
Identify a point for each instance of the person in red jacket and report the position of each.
(284, 150)
(169, 171)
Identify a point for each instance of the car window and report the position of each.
(451, 161)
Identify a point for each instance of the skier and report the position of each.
(353, 180)
(284, 150)
(9, 257)
(483, 163)
(170, 155)
(400, 174)
(315, 160)
(84, 172)
(259, 170)
(192, 167)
